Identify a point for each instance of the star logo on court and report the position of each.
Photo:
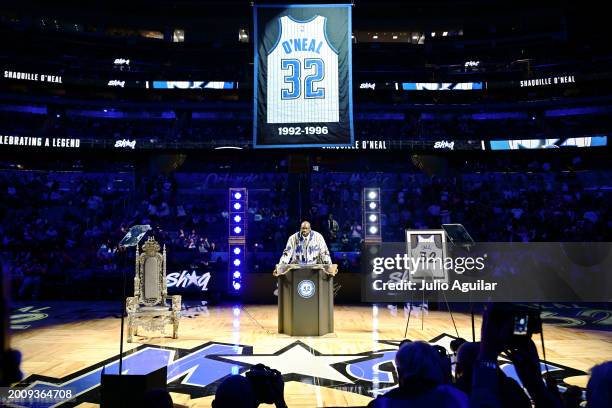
(198, 371)
(298, 359)
(193, 278)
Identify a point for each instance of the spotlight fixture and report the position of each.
(237, 224)
(371, 215)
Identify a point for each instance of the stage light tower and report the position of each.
(371, 215)
(237, 232)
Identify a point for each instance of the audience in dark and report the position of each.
(425, 380)
(599, 387)
(260, 385)
(76, 218)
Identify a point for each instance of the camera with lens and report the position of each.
(264, 380)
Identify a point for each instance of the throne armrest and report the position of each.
(131, 304)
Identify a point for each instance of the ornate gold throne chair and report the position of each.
(148, 308)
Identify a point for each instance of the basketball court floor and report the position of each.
(66, 345)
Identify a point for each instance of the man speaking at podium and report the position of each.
(305, 247)
(305, 296)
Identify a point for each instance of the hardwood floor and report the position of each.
(66, 345)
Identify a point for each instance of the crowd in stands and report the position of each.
(64, 227)
(59, 227)
(539, 205)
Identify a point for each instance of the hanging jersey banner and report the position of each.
(303, 76)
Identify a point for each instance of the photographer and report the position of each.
(500, 334)
(511, 394)
(260, 385)
(423, 381)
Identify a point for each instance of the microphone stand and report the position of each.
(466, 242)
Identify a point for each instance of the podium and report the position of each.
(305, 299)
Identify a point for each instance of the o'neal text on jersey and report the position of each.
(302, 44)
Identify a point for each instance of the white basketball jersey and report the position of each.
(427, 248)
(302, 74)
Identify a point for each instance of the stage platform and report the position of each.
(67, 344)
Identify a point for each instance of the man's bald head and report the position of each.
(305, 228)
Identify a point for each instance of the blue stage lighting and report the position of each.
(371, 214)
(238, 204)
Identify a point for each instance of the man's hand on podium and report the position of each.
(281, 269)
(332, 269)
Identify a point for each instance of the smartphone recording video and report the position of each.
(520, 324)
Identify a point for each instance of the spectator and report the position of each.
(332, 228)
(599, 387)
(259, 385)
(487, 389)
(511, 393)
(421, 378)
(235, 391)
